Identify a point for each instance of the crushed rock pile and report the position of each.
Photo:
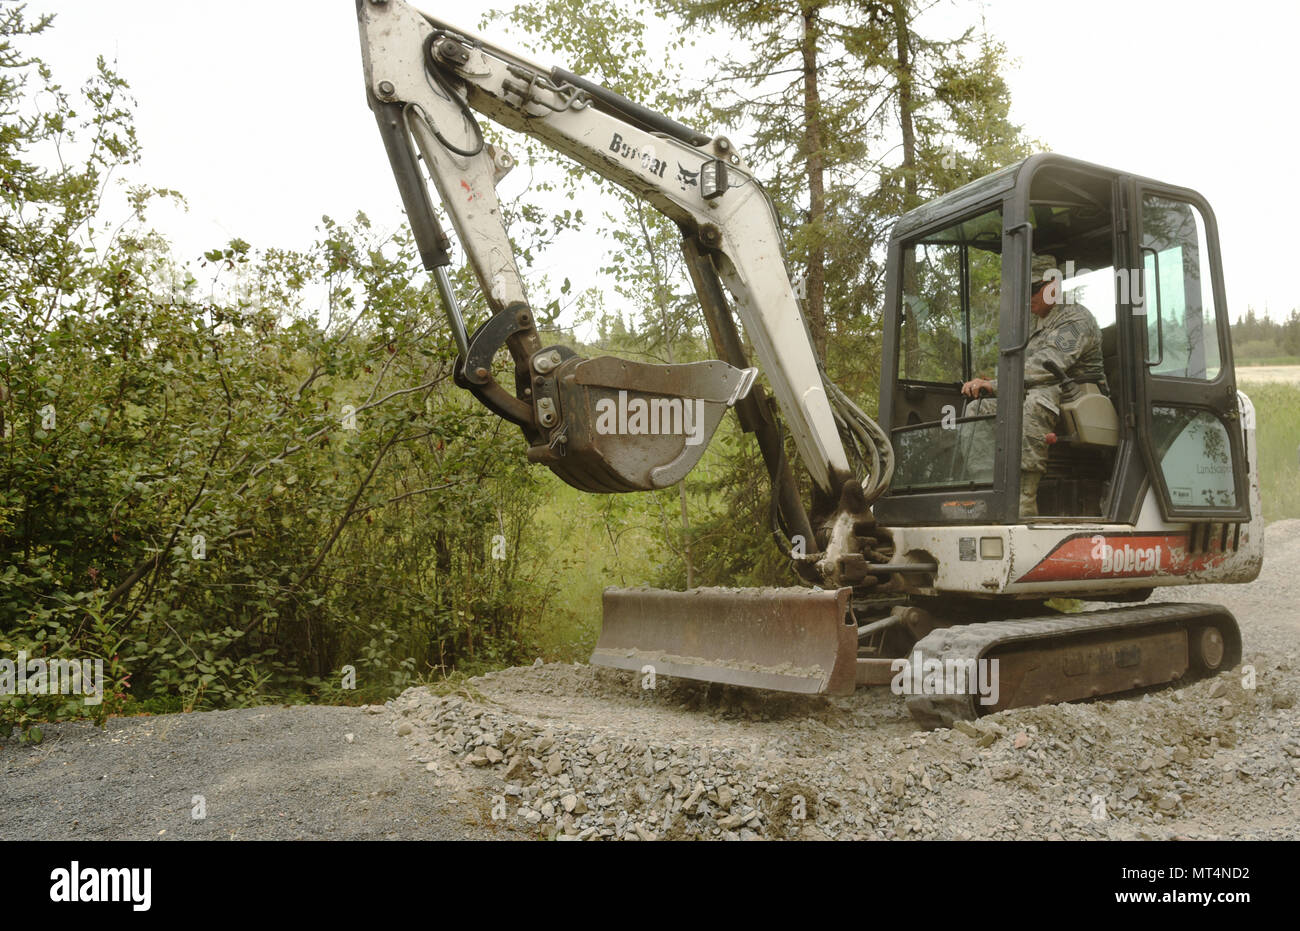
(1211, 760)
(578, 752)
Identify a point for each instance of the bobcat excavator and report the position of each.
(920, 571)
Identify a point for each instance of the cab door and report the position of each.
(1188, 422)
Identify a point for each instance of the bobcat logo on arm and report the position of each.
(686, 178)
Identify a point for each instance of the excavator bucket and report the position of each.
(782, 639)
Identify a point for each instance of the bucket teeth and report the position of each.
(782, 639)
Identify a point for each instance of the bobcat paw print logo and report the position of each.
(687, 179)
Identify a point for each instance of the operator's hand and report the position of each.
(976, 386)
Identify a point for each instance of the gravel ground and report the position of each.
(582, 753)
(274, 773)
(576, 752)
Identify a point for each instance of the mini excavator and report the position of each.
(918, 565)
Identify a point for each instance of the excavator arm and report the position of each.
(613, 425)
(426, 82)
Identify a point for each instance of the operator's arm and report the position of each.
(1068, 337)
(1036, 371)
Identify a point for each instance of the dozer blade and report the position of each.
(783, 639)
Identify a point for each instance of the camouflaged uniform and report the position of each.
(1069, 336)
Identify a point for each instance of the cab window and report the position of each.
(1179, 293)
(952, 293)
(951, 290)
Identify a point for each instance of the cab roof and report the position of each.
(955, 204)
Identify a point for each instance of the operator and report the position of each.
(1065, 333)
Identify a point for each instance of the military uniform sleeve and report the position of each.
(1063, 343)
(1036, 371)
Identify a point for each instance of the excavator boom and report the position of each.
(426, 80)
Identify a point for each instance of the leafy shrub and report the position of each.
(230, 490)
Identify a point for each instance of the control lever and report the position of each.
(1069, 388)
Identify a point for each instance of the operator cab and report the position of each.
(1142, 258)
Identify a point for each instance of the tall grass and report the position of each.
(1243, 368)
(1260, 352)
(623, 540)
(598, 541)
(1277, 410)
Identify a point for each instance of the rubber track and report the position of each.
(971, 641)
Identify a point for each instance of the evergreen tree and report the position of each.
(857, 114)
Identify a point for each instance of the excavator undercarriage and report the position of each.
(810, 642)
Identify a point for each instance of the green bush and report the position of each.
(230, 490)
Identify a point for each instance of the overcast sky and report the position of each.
(255, 110)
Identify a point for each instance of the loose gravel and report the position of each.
(272, 773)
(576, 752)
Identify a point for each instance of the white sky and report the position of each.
(255, 110)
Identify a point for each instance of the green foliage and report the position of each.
(1263, 341)
(1277, 439)
(229, 490)
(856, 115)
